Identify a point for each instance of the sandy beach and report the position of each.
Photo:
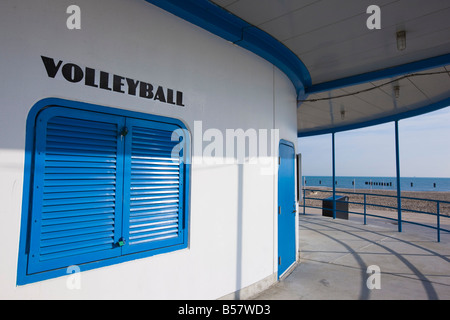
(420, 205)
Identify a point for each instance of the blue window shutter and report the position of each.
(153, 187)
(77, 188)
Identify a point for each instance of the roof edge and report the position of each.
(391, 72)
(373, 122)
(228, 26)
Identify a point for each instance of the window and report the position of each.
(105, 188)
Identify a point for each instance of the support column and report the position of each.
(334, 174)
(397, 158)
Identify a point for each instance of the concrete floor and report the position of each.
(335, 256)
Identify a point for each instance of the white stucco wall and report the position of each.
(233, 233)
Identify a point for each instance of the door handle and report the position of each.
(121, 242)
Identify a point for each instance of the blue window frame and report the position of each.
(102, 186)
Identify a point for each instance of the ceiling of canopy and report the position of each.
(355, 76)
(333, 41)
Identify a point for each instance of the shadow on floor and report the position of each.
(335, 256)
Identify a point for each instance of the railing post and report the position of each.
(304, 202)
(438, 221)
(334, 173)
(365, 211)
(399, 197)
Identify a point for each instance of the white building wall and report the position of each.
(233, 231)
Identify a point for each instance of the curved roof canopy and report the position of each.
(346, 75)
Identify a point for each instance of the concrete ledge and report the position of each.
(252, 290)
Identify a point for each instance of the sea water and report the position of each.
(380, 183)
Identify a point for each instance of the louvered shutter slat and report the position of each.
(153, 213)
(78, 189)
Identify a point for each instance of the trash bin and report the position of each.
(341, 207)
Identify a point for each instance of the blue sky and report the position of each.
(424, 149)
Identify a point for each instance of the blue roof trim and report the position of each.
(396, 117)
(400, 70)
(222, 23)
(205, 15)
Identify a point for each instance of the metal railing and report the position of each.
(365, 205)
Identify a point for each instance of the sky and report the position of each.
(424, 149)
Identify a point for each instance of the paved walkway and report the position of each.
(335, 255)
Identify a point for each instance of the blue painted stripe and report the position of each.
(396, 117)
(400, 70)
(222, 23)
(205, 15)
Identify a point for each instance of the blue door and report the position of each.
(286, 207)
